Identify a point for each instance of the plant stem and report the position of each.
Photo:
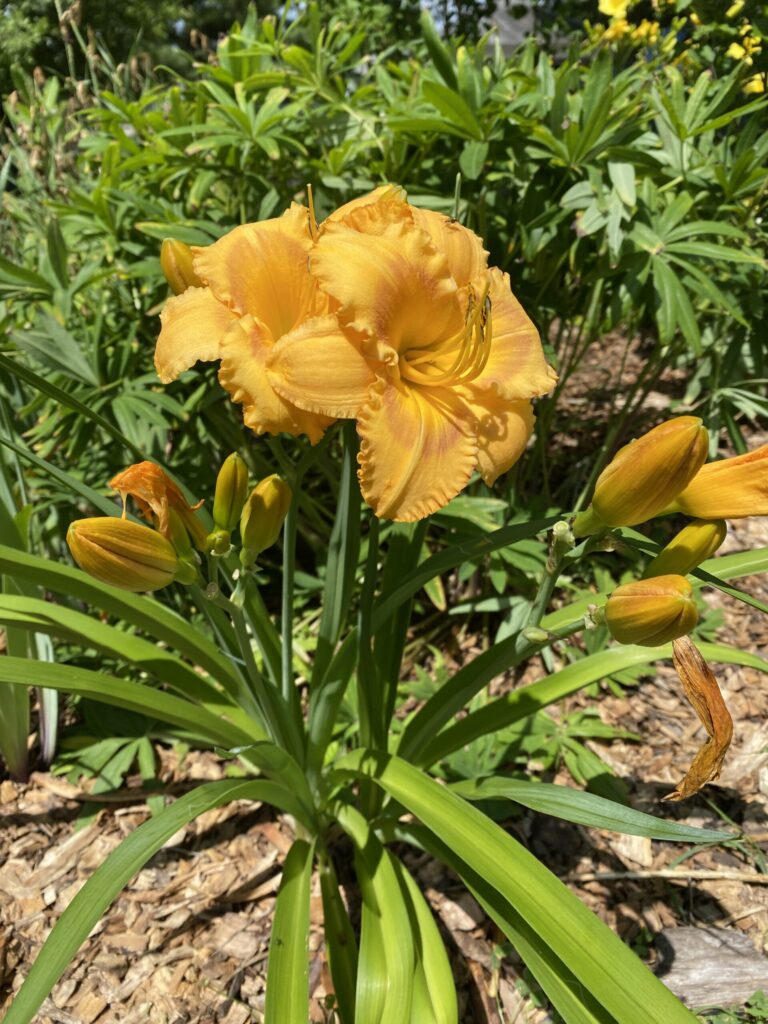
(561, 544)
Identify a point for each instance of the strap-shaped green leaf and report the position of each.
(567, 993)
(121, 865)
(434, 990)
(607, 969)
(287, 994)
(386, 961)
(124, 694)
(143, 612)
(585, 809)
(340, 941)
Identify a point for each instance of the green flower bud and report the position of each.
(231, 492)
(263, 515)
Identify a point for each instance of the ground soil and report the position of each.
(187, 941)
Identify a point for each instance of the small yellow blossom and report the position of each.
(755, 84)
(618, 28)
(647, 32)
(613, 8)
(736, 51)
(734, 9)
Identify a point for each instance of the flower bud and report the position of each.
(651, 612)
(693, 545)
(176, 264)
(231, 492)
(123, 554)
(263, 515)
(646, 475)
(728, 489)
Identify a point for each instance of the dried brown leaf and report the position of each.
(701, 689)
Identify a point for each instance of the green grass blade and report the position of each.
(76, 922)
(386, 961)
(287, 997)
(123, 694)
(585, 809)
(591, 952)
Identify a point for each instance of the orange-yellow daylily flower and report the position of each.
(258, 289)
(728, 489)
(434, 357)
(157, 498)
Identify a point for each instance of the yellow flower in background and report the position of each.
(618, 28)
(123, 554)
(157, 496)
(755, 84)
(729, 489)
(262, 517)
(651, 612)
(613, 8)
(734, 9)
(736, 51)
(647, 32)
(434, 356)
(645, 475)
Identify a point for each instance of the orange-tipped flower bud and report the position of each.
(728, 489)
(122, 553)
(263, 515)
(651, 612)
(646, 475)
(231, 492)
(698, 541)
(176, 264)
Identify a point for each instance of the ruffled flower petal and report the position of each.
(516, 367)
(417, 450)
(371, 213)
(395, 286)
(462, 248)
(193, 324)
(262, 270)
(321, 369)
(502, 428)
(243, 373)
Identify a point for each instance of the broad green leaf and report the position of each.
(608, 969)
(585, 809)
(279, 765)
(386, 960)
(99, 891)
(287, 995)
(123, 694)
